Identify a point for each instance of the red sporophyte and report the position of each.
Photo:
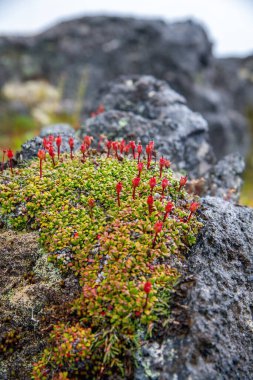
(150, 202)
(182, 182)
(51, 153)
(46, 143)
(139, 151)
(118, 189)
(133, 147)
(149, 151)
(127, 148)
(108, 145)
(41, 155)
(158, 228)
(147, 289)
(58, 142)
(152, 183)
(83, 149)
(135, 182)
(91, 202)
(4, 152)
(140, 167)
(167, 163)
(10, 157)
(165, 183)
(87, 141)
(122, 146)
(193, 208)
(162, 164)
(168, 208)
(115, 146)
(71, 146)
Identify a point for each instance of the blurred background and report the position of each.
(51, 68)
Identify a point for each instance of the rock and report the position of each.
(217, 341)
(30, 148)
(225, 178)
(143, 108)
(231, 127)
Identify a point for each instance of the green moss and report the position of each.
(109, 248)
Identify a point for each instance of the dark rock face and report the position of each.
(143, 108)
(217, 343)
(30, 149)
(99, 49)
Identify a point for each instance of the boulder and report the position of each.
(144, 108)
(212, 306)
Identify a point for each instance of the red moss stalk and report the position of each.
(162, 164)
(139, 151)
(182, 182)
(168, 208)
(158, 228)
(115, 148)
(52, 154)
(152, 184)
(135, 182)
(150, 202)
(193, 208)
(118, 189)
(83, 149)
(147, 289)
(108, 145)
(133, 147)
(140, 167)
(165, 183)
(41, 155)
(58, 142)
(71, 146)
(10, 157)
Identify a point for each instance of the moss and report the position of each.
(122, 261)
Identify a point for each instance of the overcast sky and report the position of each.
(230, 22)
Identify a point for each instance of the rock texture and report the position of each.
(89, 51)
(143, 108)
(30, 149)
(217, 312)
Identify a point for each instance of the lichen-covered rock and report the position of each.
(216, 342)
(30, 148)
(144, 108)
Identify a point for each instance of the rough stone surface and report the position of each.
(218, 307)
(30, 148)
(143, 108)
(225, 178)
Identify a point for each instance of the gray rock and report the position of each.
(57, 129)
(30, 149)
(224, 179)
(144, 108)
(216, 341)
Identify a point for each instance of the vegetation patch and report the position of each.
(116, 221)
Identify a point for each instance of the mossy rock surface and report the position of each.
(126, 267)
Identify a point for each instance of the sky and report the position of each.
(229, 22)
